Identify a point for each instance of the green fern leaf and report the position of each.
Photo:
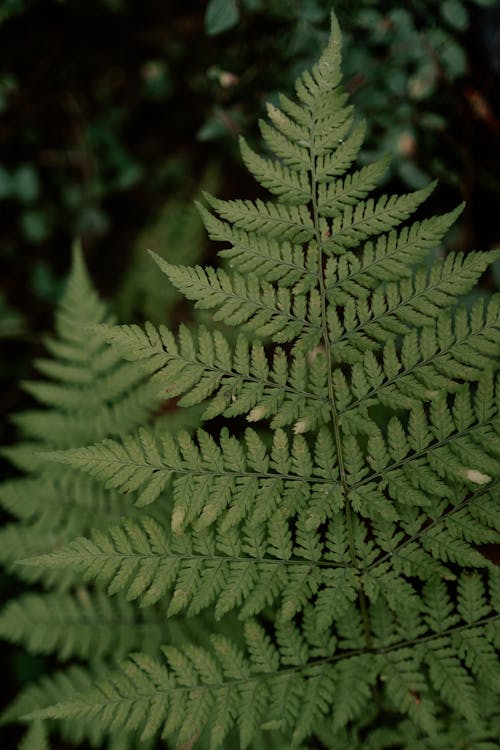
(93, 392)
(452, 681)
(407, 688)
(35, 738)
(330, 554)
(87, 625)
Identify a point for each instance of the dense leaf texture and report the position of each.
(330, 548)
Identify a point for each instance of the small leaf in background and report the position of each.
(224, 78)
(25, 183)
(412, 175)
(11, 322)
(396, 81)
(432, 121)
(156, 76)
(313, 12)
(35, 225)
(454, 59)
(213, 128)
(8, 85)
(220, 16)
(44, 283)
(221, 123)
(91, 221)
(422, 84)
(252, 6)
(455, 14)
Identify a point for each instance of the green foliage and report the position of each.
(89, 393)
(35, 738)
(86, 624)
(401, 62)
(220, 16)
(11, 8)
(329, 550)
(178, 235)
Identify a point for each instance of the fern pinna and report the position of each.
(316, 562)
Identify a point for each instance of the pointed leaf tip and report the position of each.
(77, 252)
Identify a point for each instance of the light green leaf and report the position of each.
(220, 16)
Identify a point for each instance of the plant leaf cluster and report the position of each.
(313, 570)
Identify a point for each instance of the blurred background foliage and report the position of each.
(115, 114)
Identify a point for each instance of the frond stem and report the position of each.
(317, 663)
(447, 514)
(331, 395)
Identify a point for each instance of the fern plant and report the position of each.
(91, 393)
(323, 530)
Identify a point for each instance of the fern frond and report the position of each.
(92, 392)
(63, 500)
(336, 162)
(389, 259)
(208, 473)
(407, 688)
(349, 518)
(354, 680)
(222, 686)
(68, 429)
(202, 571)
(24, 456)
(243, 381)
(479, 655)
(51, 510)
(33, 540)
(86, 625)
(289, 185)
(270, 219)
(64, 685)
(452, 681)
(334, 196)
(370, 219)
(255, 306)
(437, 359)
(268, 258)
(418, 301)
(35, 738)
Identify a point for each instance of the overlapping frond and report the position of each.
(35, 738)
(63, 685)
(220, 686)
(62, 500)
(51, 509)
(86, 625)
(92, 392)
(273, 686)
